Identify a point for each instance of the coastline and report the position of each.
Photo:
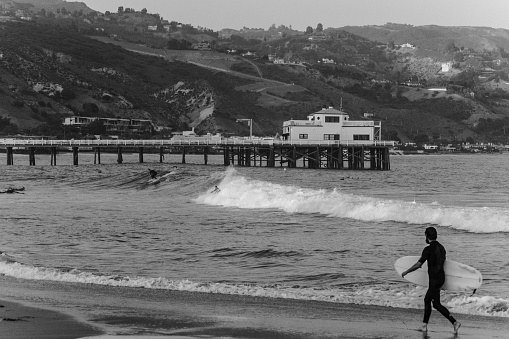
(199, 315)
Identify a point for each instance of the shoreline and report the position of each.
(178, 314)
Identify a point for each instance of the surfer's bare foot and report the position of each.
(424, 328)
(456, 325)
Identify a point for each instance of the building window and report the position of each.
(303, 136)
(331, 137)
(331, 119)
(361, 137)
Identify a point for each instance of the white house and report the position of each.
(334, 125)
(407, 45)
(446, 67)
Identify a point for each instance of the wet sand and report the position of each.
(198, 315)
(20, 321)
(48, 309)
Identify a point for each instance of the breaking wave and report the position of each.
(241, 192)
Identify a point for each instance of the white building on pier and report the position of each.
(330, 124)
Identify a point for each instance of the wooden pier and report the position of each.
(247, 153)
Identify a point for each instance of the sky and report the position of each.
(236, 14)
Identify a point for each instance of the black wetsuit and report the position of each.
(435, 255)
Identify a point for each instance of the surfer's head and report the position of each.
(431, 233)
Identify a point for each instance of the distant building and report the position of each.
(318, 37)
(446, 67)
(328, 61)
(249, 54)
(113, 125)
(330, 124)
(202, 46)
(407, 45)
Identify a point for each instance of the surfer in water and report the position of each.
(11, 190)
(153, 174)
(434, 253)
(216, 190)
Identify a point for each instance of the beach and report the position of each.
(201, 315)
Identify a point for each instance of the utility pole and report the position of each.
(250, 124)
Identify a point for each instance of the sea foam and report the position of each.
(241, 192)
(389, 295)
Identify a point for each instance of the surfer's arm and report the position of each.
(414, 267)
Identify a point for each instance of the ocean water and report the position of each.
(306, 234)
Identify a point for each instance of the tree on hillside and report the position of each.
(319, 28)
(309, 30)
(120, 10)
(144, 11)
(451, 47)
(458, 56)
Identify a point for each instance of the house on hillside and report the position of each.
(334, 125)
(202, 46)
(446, 67)
(318, 37)
(407, 45)
(113, 125)
(249, 54)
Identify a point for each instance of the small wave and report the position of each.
(269, 253)
(241, 192)
(389, 295)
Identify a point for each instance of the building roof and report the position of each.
(330, 110)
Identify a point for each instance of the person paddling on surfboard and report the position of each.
(434, 253)
(153, 174)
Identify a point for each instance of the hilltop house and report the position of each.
(330, 124)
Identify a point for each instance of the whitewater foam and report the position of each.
(390, 295)
(241, 192)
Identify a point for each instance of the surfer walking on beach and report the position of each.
(434, 254)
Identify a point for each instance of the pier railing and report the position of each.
(166, 142)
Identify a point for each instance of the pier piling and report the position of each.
(119, 155)
(31, 156)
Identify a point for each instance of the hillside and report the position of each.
(113, 65)
(434, 37)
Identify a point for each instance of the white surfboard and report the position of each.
(458, 276)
